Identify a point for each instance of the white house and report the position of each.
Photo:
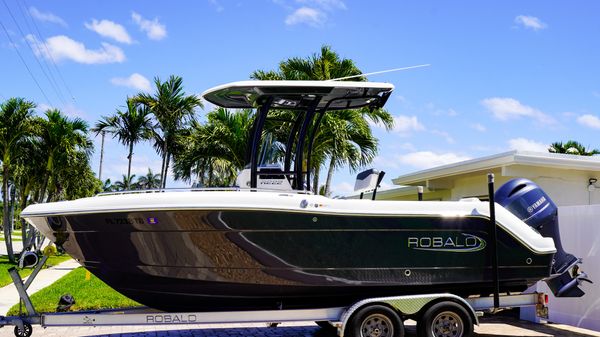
(571, 181)
(568, 179)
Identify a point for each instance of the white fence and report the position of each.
(580, 236)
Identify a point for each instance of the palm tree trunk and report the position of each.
(42, 191)
(210, 175)
(316, 180)
(6, 216)
(167, 160)
(130, 156)
(101, 156)
(201, 172)
(22, 204)
(162, 166)
(329, 176)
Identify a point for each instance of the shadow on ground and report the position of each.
(528, 328)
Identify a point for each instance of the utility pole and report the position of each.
(101, 156)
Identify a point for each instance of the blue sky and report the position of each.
(504, 74)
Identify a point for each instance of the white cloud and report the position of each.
(135, 81)
(444, 135)
(46, 17)
(153, 29)
(404, 125)
(218, 7)
(62, 47)
(109, 29)
(505, 108)
(310, 16)
(590, 121)
(69, 110)
(73, 111)
(479, 127)
(530, 22)
(440, 111)
(43, 107)
(385, 162)
(342, 188)
(325, 4)
(428, 159)
(524, 144)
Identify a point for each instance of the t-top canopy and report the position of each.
(335, 95)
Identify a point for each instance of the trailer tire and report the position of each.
(26, 332)
(445, 319)
(375, 321)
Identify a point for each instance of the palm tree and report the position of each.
(215, 151)
(349, 132)
(15, 130)
(125, 183)
(130, 127)
(28, 175)
(572, 147)
(107, 186)
(149, 181)
(353, 144)
(174, 111)
(61, 138)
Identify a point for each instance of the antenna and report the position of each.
(381, 72)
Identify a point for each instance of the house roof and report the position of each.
(516, 157)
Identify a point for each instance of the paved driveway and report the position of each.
(17, 246)
(490, 327)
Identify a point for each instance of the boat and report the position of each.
(268, 243)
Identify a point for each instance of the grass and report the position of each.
(5, 265)
(89, 293)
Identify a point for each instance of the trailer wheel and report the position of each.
(375, 321)
(26, 332)
(445, 319)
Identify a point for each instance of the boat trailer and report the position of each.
(436, 314)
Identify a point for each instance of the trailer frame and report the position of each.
(408, 306)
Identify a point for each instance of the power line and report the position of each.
(45, 61)
(32, 51)
(25, 63)
(43, 38)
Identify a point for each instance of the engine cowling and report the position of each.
(532, 205)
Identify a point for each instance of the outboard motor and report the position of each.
(530, 203)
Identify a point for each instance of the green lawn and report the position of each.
(89, 294)
(5, 265)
